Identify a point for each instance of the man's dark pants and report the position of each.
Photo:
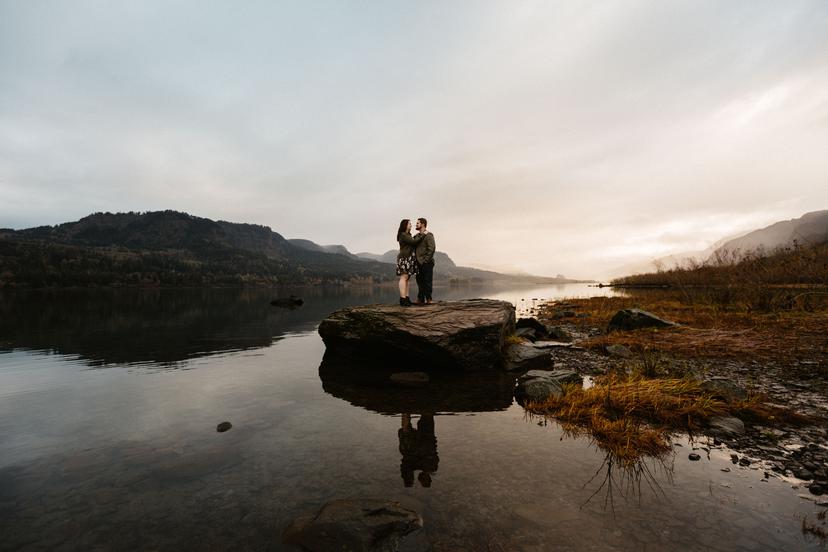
(425, 278)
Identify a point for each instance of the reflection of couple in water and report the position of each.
(419, 450)
(416, 257)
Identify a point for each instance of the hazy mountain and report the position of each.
(446, 269)
(667, 261)
(364, 255)
(810, 228)
(312, 246)
(174, 248)
(390, 256)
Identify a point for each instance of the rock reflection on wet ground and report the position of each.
(130, 459)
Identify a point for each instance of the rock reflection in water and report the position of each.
(370, 386)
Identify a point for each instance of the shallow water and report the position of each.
(109, 401)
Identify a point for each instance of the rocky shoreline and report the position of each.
(797, 453)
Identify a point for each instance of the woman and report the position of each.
(406, 260)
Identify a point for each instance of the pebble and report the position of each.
(694, 456)
(223, 426)
(725, 470)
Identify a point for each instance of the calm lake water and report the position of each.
(109, 401)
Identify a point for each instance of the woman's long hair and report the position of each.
(403, 227)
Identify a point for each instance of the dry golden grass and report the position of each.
(631, 416)
(749, 273)
(514, 340)
(707, 331)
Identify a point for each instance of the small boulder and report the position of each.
(620, 351)
(410, 379)
(563, 376)
(558, 333)
(539, 385)
(533, 324)
(522, 356)
(563, 314)
(361, 524)
(724, 389)
(634, 319)
(528, 333)
(223, 426)
(725, 426)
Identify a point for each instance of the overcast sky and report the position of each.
(550, 137)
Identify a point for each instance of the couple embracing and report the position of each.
(416, 257)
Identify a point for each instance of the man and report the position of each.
(425, 261)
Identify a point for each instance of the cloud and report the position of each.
(554, 137)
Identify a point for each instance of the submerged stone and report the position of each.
(223, 426)
(288, 302)
(356, 524)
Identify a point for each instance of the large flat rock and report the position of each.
(469, 335)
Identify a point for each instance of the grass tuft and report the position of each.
(514, 339)
(632, 416)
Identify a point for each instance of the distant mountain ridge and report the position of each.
(809, 229)
(311, 246)
(160, 230)
(390, 256)
(444, 267)
(168, 248)
(175, 248)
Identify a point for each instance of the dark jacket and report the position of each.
(407, 244)
(425, 249)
